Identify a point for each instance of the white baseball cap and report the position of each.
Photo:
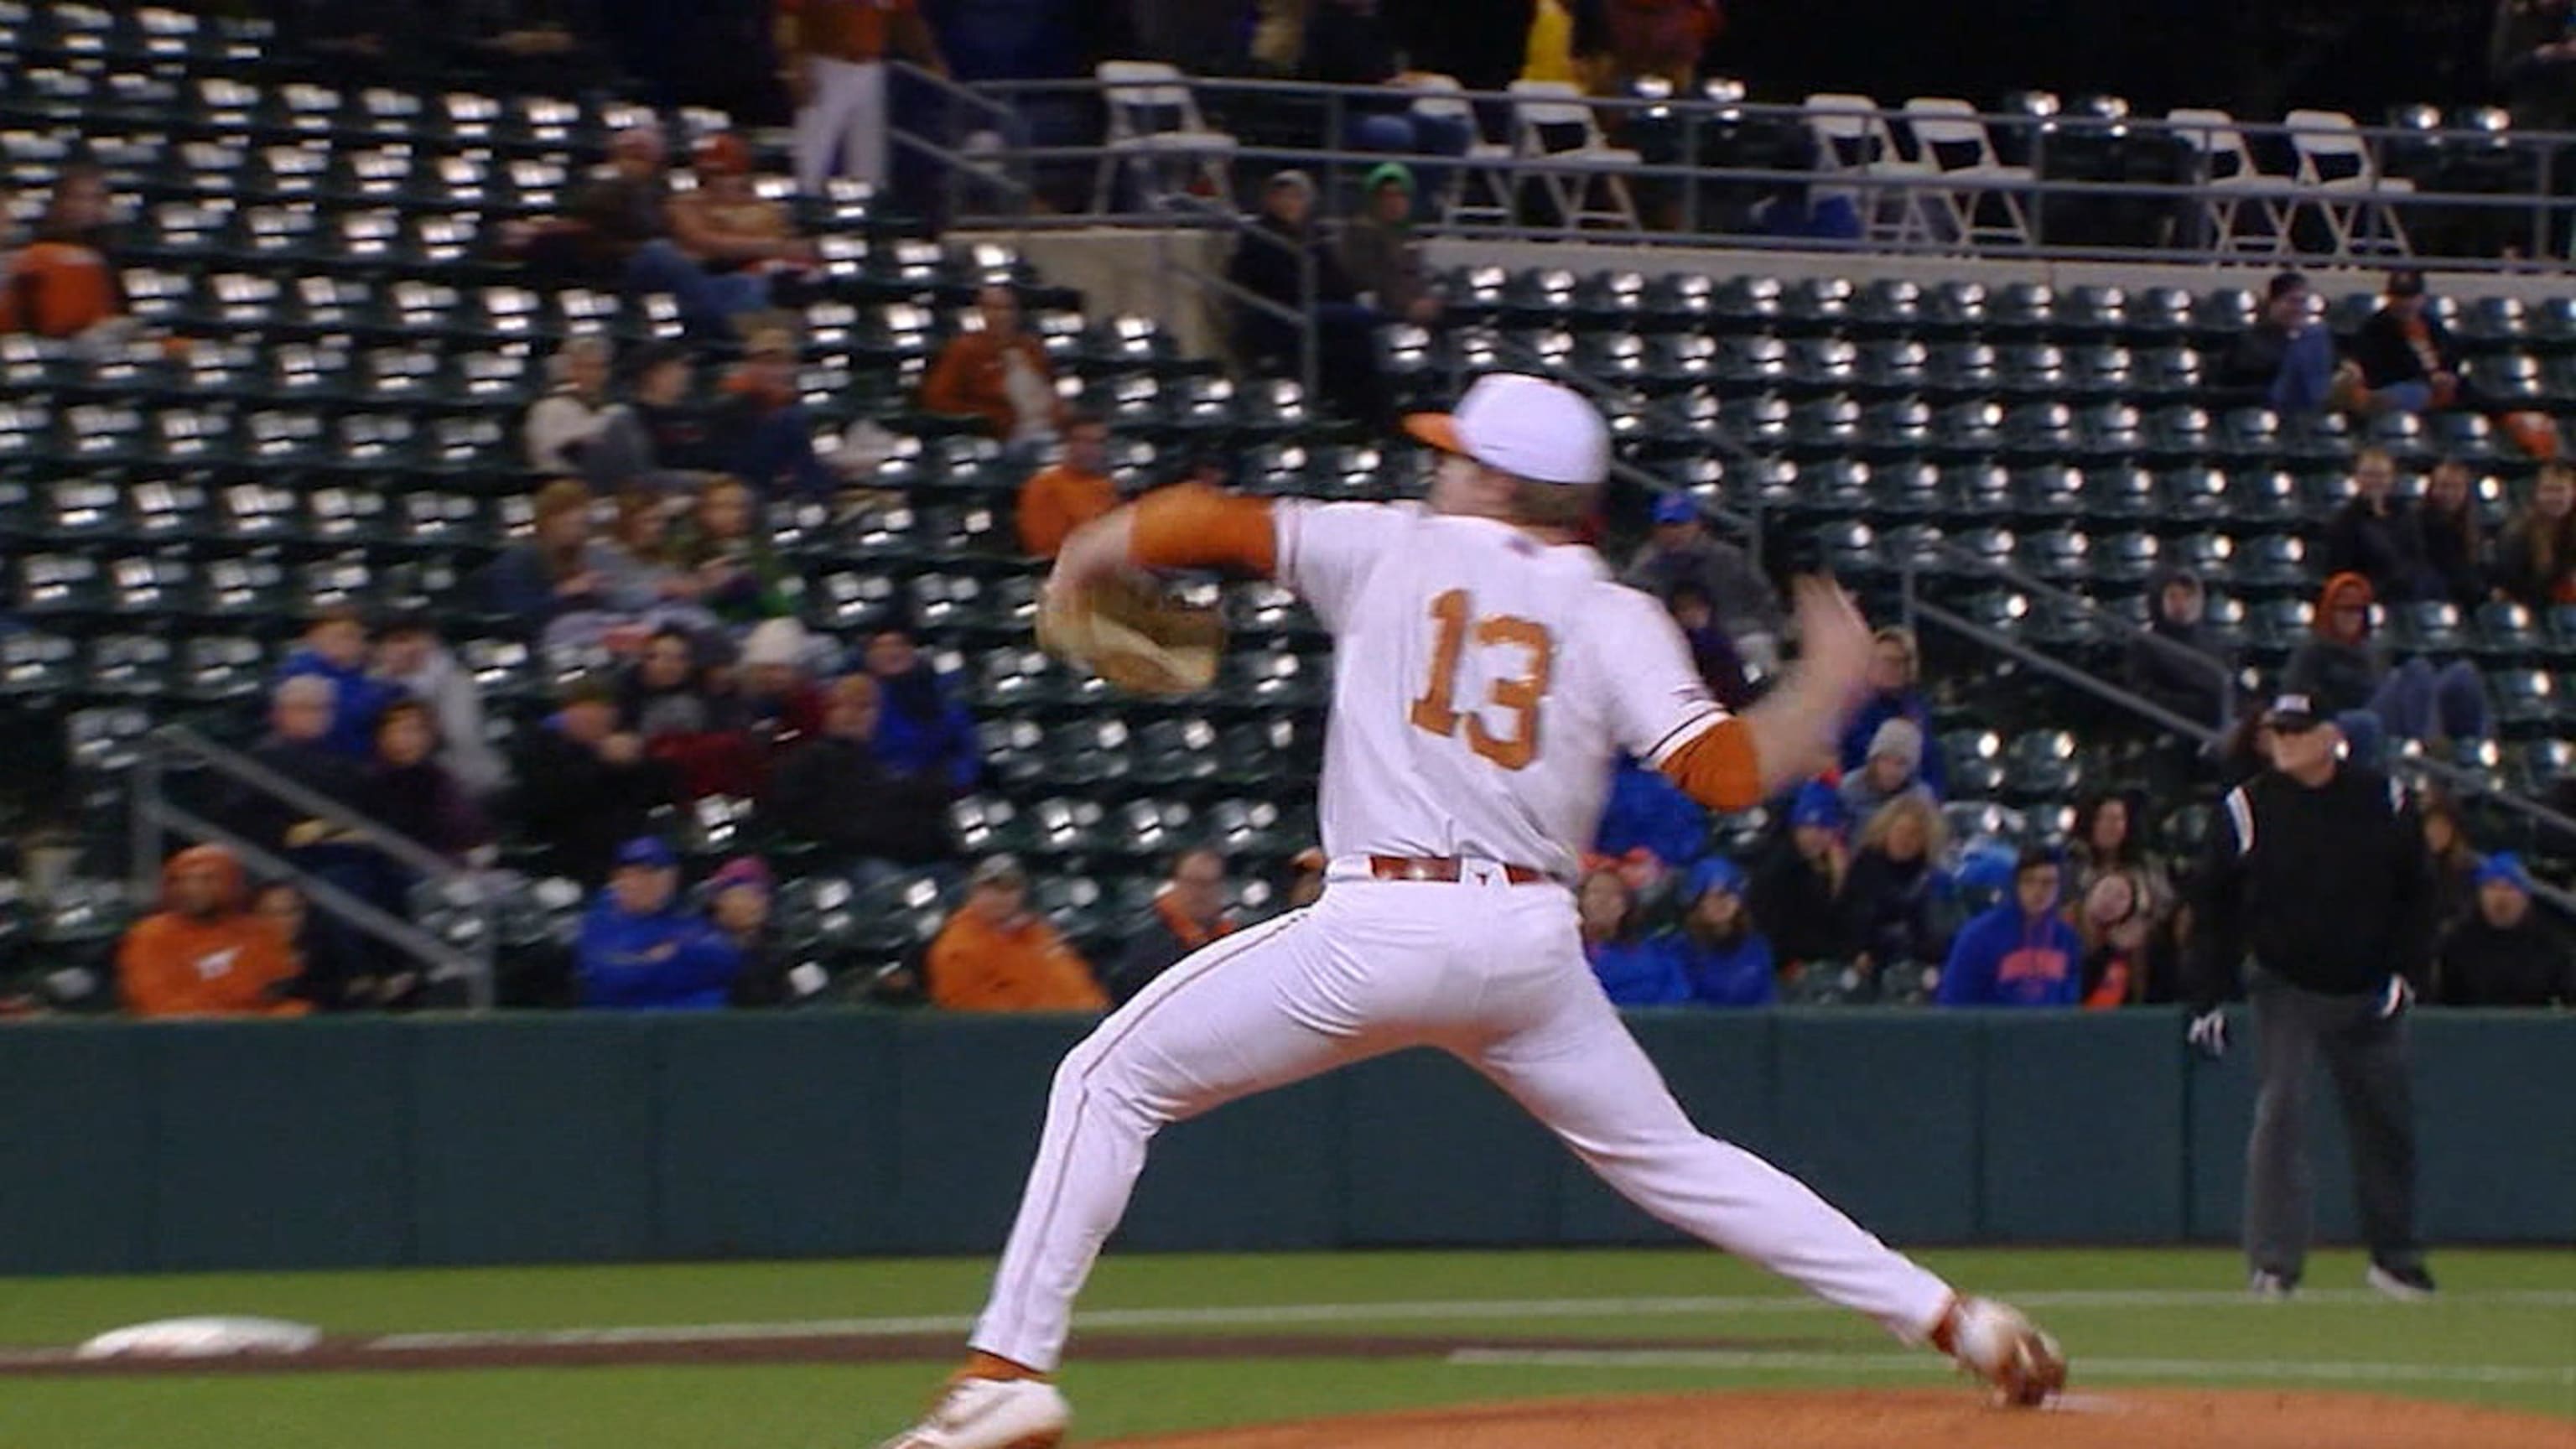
(1526, 426)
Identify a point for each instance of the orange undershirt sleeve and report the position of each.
(1718, 767)
(1194, 526)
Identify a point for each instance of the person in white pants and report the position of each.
(1487, 670)
(833, 59)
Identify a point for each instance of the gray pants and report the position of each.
(2367, 1058)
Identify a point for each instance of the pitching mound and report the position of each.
(2115, 1419)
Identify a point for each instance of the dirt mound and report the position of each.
(2112, 1419)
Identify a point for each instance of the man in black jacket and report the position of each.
(1276, 258)
(2177, 663)
(2504, 954)
(585, 785)
(833, 790)
(2407, 359)
(2320, 869)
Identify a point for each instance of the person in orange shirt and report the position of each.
(205, 953)
(1078, 489)
(62, 285)
(998, 373)
(996, 954)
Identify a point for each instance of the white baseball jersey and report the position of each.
(1482, 681)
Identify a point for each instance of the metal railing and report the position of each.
(154, 817)
(2459, 196)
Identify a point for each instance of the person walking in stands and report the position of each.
(2021, 953)
(832, 56)
(2317, 869)
(204, 953)
(995, 954)
(641, 951)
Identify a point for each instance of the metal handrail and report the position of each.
(152, 813)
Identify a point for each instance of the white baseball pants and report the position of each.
(844, 117)
(1491, 973)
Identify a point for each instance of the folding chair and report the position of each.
(1945, 128)
(2231, 178)
(1155, 130)
(1853, 132)
(1541, 109)
(2344, 185)
(1486, 171)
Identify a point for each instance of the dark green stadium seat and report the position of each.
(1065, 825)
(2526, 700)
(1973, 760)
(37, 665)
(2508, 634)
(2118, 494)
(1817, 305)
(1978, 493)
(1752, 360)
(130, 666)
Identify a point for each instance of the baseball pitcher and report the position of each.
(1486, 670)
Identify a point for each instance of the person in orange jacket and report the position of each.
(995, 954)
(205, 953)
(1058, 500)
(998, 374)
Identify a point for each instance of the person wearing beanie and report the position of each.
(1891, 770)
(2176, 661)
(1798, 890)
(2021, 953)
(1725, 960)
(1895, 692)
(1632, 971)
(2346, 673)
(1382, 253)
(781, 708)
(738, 898)
(2505, 953)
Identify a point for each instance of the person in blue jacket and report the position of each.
(640, 951)
(921, 731)
(1893, 668)
(1726, 961)
(334, 647)
(2021, 953)
(1631, 972)
(1648, 811)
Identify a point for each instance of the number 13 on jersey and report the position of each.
(1521, 694)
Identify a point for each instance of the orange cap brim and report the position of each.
(1440, 430)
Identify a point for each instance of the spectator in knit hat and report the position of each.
(1893, 768)
(1894, 668)
(781, 708)
(1723, 956)
(738, 898)
(1384, 255)
(2505, 954)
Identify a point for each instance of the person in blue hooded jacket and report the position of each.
(1726, 961)
(2021, 953)
(639, 951)
(1631, 972)
(1648, 811)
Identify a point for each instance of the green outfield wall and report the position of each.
(549, 1138)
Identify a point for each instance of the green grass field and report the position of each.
(2504, 1335)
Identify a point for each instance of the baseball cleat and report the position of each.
(991, 1414)
(1996, 1343)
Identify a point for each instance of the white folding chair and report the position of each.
(1951, 143)
(2231, 178)
(1542, 107)
(2343, 184)
(1480, 189)
(1853, 132)
(1157, 135)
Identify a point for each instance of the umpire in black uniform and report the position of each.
(2318, 869)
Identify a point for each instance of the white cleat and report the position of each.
(1996, 1343)
(991, 1414)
